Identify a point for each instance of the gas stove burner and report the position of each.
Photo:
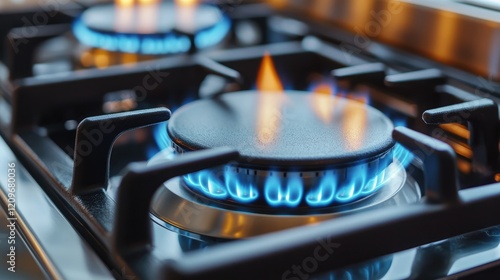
(293, 154)
(305, 158)
(183, 211)
(152, 29)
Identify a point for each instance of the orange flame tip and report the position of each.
(268, 79)
(186, 3)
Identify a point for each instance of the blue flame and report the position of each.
(358, 186)
(402, 155)
(160, 134)
(374, 184)
(161, 137)
(324, 193)
(352, 189)
(398, 122)
(375, 269)
(169, 43)
(288, 194)
(243, 192)
(214, 35)
(151, 151)
(288, 191)
(208, 184)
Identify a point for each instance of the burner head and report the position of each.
(151, 29)
(285, 131)
(297, 149)
(184, 211)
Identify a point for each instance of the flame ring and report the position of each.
(180, 210)
(233, 184)
(151, 44)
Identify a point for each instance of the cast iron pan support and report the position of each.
(94, 139)
(365, 73)
(440, 168)
(420, 86)
(132, 230)
(482, 118)
(91, 85)
(23, 41)
(338, 243)
(216, 68)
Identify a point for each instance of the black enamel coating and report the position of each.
(440, 167)
(132, 229)
(90, 85)
(421, 87)
(94, 139)
(482, 118)
(302, 139)
(371, 72)
(427, 78)
(22, 47)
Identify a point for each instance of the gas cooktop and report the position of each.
(249, 140)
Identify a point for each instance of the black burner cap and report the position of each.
(285, 130)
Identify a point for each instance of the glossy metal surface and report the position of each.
(457, 34)
(58, 248)
(26, 266)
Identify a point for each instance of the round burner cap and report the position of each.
(291, 130)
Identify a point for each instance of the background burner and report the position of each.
(162, 28)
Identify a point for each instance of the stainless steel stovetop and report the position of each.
(249, 140)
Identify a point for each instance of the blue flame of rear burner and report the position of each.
(289, 192)
(169, 43)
